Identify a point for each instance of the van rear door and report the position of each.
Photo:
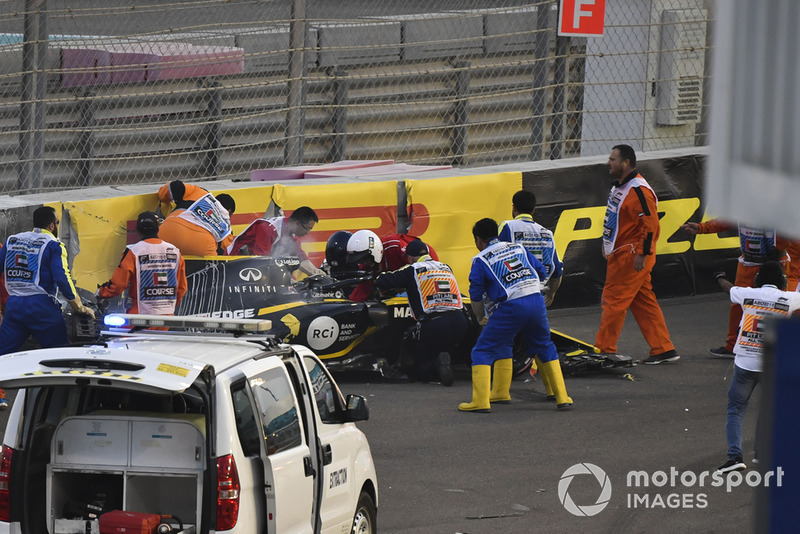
(91, 366)
(289, 475)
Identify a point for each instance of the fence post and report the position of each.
(460, 112)
(403, 225)
(560, 69)
(539, 107)
(33, 95)
(295, 114)
(341, 98)
(212, 135)
(87, 109)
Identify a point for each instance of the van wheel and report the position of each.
(364, 522)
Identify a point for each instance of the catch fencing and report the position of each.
(135, 91)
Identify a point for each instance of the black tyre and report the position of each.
(366, 517)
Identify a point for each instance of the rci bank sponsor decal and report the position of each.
(322, 332)
(643, 489)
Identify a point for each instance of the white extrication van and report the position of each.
(207, 432)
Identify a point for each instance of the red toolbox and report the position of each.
(120, 522)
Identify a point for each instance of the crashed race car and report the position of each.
(372, 336)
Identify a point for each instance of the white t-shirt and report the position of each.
(759, 304)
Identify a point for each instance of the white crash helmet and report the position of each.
(362, 244)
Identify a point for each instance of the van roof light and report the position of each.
(181, 321)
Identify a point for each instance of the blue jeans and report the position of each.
(743, 383)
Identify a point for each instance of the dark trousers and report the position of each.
(37, 315)
(438, 332)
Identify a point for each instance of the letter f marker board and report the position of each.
(581, 18)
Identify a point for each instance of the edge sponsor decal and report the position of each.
(246, 313)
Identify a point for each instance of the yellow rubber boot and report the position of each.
(548, 389)
(481, 378)
(501, 381)
(553, 371)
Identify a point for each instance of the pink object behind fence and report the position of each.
(299, 172)
(397, 168)
(146, 61)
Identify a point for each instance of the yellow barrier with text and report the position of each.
(675, 213)
(106, 226)
(350, 207)
(444, 210)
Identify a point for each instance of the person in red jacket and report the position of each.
(152, 271)
(758, 246)
(394, 251)
(278, 237)
(199, 224)
(630, 233)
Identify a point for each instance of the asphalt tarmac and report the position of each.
(443, 471)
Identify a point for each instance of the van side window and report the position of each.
(327, 396)
(277, 410)
(246, 424)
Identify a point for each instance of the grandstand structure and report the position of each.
(145, 91)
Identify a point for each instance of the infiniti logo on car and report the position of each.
(250, 274)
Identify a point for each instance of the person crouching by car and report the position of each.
(152, 271)
(436, 305)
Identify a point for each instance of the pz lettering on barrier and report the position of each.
(583, 224)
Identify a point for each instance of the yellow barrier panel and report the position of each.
(581, 224)
(105, 226)
(444, 210)
(251, 204)
(102, 227)
(351, 207)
